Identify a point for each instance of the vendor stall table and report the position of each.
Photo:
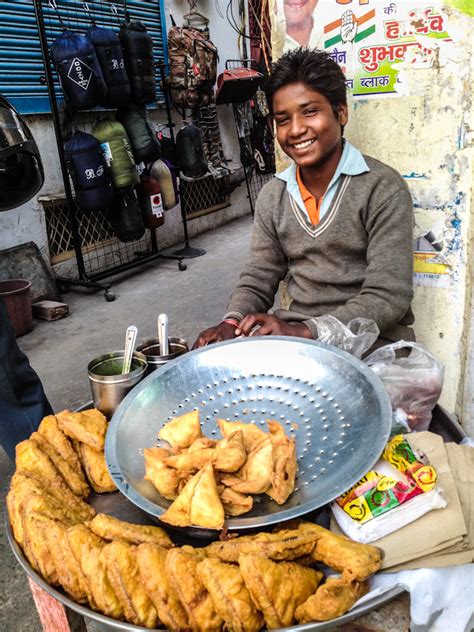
(62, 614)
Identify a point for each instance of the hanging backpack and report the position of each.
(162, 174)
(126, 217)
(89, 173)
(110, 56)
(150, 201)
(190, 152)
(117, 152)
(145, 145)
(79, 71)
(138, 53)
(193, 67)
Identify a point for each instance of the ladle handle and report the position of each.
(163, 334)
(130, 339)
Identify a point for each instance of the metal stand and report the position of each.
(85, 279)
(187, 252)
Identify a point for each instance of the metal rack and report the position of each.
(112, 257)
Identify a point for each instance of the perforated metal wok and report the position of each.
(334, 406)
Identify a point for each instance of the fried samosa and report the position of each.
(87, 548)
(198, 504)
(32, 460)
(230, 595)
(181, 431)
(95, 468)
(111, 528)
(284, 464)
(235, 503)
(252, 435)
(199, 606)
(73, 477)
(354, 560)
(87, 426)
(255, 477)
(332, 599)
(190, 461)
(50, 430)
(278, 588)
(286, 544)
(230, 454)
(151, 560)
(122, 571)
(165, 479)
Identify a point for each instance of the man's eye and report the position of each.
(281, 121)
(310, 112)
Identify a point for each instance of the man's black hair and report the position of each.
(315, 68)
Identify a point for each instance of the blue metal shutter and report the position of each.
(21, 63)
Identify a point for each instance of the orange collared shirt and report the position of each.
(313, 206)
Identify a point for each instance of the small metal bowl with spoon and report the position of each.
(160, 350)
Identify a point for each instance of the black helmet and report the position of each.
(21, 171)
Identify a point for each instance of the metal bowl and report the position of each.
(332, 403)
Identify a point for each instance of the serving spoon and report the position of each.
(130, 339)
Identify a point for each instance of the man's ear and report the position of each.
(342, 113)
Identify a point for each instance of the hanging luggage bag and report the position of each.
(190, 152)
(117, 152)
(145, 145)
(150, 201)
(126, 217)
(79, 71)
(88, 171)
(110, 56)
(161, 172)
(137, 47)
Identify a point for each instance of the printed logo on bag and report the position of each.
(156, 205)
(80, 73)
(107, 153)
(118, 64)
(90, 173)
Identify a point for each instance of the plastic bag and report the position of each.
(413, 383)
(356, 337)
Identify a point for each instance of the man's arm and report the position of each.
(266, 266)
(387, 290)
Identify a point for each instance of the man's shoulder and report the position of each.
(271, 192)
(383, 173)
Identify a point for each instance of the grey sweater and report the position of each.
(357, 262)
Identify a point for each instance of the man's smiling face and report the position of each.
(298, 12)
(308, 130)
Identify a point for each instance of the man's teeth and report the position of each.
(307, 143)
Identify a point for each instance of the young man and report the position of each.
(336, 223)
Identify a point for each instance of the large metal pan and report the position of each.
(332, 403)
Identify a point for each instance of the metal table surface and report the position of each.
(117, 505)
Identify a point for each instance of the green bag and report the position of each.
(117, 152)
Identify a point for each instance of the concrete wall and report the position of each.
(426, 134)
(27, 222)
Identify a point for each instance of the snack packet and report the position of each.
(400, 489)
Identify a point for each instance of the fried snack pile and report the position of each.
(209, 480)
(135, 573)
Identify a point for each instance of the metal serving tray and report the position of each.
(332, 403)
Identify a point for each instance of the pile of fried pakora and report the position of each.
(135, 572)
(209, 480)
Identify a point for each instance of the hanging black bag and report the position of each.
(89, 172)
(126, 217)
(138, 53)
(110, 55)
(145, 145)
(190, 151)
(79, 71)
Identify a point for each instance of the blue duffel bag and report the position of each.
(110, 55)
(79, 71)
(89, 172)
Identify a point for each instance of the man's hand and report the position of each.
(348, 27)
(223, 331)
(268, 325)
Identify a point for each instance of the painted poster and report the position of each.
(372, 40)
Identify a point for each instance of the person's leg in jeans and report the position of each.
(23, 403)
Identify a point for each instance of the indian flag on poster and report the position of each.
(340, 31)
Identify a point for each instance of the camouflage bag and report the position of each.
(193, 67)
